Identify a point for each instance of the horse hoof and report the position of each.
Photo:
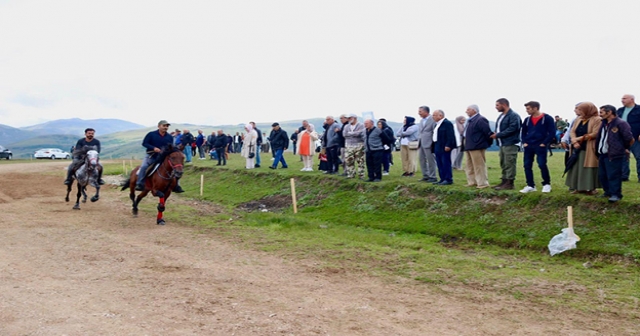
(161, 222)
(66, 199)
(135, 212)
(95, 198)
(84, 201)
(76, 207)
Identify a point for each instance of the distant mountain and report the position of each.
(10, 134)
(77, 126)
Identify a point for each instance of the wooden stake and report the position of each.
(201, 184)
(570, 216)
(293, 196)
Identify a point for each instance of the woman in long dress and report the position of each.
(306, 146)
(409, 132)
(583, 175)
(249, 146)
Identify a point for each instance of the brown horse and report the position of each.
(160, 183)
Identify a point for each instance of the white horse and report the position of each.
(87, 174)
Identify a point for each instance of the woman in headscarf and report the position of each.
(583, 175)
(306, 146)
(408, 133)
(249, 147)
(458, 152)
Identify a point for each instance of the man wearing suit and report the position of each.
(630, 112)
(444, 140)
(427, 160)
(477, 138)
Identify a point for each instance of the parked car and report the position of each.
(5, 153)
(51, 153)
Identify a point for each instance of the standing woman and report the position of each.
(408, 145)
(306, 141)
(583, 175)
(458, 152)
(249, 146)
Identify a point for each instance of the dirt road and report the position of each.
(98, 271)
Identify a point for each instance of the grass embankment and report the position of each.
(436, 234)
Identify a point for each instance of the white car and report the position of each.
(51, 153)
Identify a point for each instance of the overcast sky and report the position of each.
(229, 62)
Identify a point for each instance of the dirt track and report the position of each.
(98, 271)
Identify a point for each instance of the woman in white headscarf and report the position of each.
(249, 147)
(306, 146)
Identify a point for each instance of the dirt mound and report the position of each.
(269, 203)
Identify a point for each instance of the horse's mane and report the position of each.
(83, 150)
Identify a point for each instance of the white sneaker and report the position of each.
(385, 174)
(528, 189)
(546, 188)
(303, 169)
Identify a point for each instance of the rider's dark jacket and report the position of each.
(154, 139)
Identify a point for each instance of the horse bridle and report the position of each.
(173, 169)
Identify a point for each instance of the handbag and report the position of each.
(414, 144)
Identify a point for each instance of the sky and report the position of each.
(229, 62)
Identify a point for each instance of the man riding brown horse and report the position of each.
(78, 155)
(155, 142)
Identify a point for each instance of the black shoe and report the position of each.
(377, 180)
(445, 183)
(436, 182)
(139, 187)
(101, 182)
(256, 166)
(625, 180)
(178, 189)
(272, 167)
(67, 182)
(285, 167)
(219, 164)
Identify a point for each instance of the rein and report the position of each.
(171, 173)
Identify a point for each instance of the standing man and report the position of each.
(332, 144)
(561, 125)
(258, 144)
(279, 143)
(155, 142)
(444, 141)
(294, 140)
(88, 140)
(538, 130)
(237, 140)
(374, 149)
(613, 141)
(200, 144)
(476, 138)
(220, 145)
(344, 121)
(427, 159)
(630, 112)
(186, 140)
(177, 137)
(354, 144)
(508, 135)
(210, 141)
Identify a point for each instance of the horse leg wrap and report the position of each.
(161, 207)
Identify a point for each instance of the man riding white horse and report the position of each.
(155, 142)
(78, 159)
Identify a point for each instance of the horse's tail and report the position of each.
(124, 184)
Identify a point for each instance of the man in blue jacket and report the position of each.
(630, 112)
(444, 140)
(155, 142)
(613, 141)
(508, 136)
(477, 138)
(538, 130)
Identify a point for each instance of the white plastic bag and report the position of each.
(562, 242)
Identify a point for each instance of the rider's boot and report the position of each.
(69, 179)
(140, 186)
(178, 189)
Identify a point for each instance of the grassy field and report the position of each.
(444, 235)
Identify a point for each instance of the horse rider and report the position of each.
(78, 160)
(155, 142)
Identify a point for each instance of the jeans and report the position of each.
(386, 160)
(143, 168)
(374, 164)
(279, 158)
(221, 157)
(293, 143)
(508, 161)
(201, 151)
(609, 175)
(541, 154)
(187, 153)
(558, 134)
(635, 151)
(258, 156)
